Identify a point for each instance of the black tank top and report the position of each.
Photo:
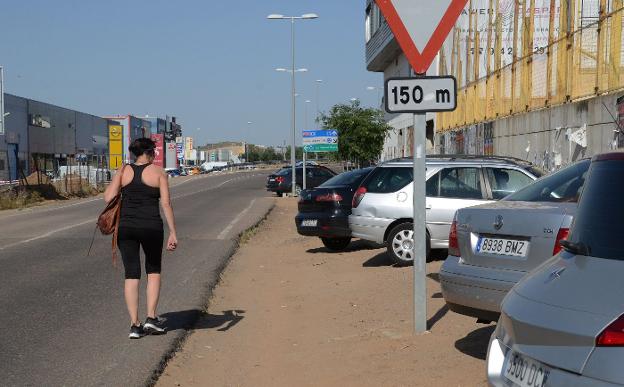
(140, 203)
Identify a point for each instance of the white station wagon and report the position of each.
(382, 205)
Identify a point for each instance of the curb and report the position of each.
(204, 303)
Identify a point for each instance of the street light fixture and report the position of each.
(292, 19)
(246, 142)
(283, 70)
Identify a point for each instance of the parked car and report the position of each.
(492, 246)
(382, 205)
(282, 181)
(563, 324)
(324, 210)
(172, 172)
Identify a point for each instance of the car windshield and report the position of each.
(562, 186)
(347, 178)
(283, 172)
(600, 211)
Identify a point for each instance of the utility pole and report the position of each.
(2, 115)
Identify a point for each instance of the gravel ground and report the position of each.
(289, 312)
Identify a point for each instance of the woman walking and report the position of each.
(142, 184)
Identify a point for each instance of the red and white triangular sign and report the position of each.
(421, 26)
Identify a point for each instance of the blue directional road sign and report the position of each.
(320, 140)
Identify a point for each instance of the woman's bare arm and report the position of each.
(165, 203)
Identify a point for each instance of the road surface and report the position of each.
(63, 318)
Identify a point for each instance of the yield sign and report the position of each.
(421, 26)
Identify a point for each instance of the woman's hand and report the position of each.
(172, 242)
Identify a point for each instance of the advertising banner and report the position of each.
(159, 154)
(115, 146)
(171, 160)
(180, 148)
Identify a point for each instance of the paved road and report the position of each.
(62, 316)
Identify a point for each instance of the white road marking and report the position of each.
(226, 230)
(33, 210)
(49, 233)
(42, 236)
(203, 190)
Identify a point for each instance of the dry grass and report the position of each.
(19, 199)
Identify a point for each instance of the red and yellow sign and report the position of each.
(115, 146)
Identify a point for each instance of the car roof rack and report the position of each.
(463, 157)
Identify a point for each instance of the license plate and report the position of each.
(524, 371)
(511, 247)
(271, 179)
(309, 223)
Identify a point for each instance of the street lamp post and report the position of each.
(2, 115)
(318, 109)
(292, 71)
(246, 142)
(307, 127)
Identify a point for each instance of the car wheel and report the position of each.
(279, 194)
(297, 190)
(336, 244)
(401, 242)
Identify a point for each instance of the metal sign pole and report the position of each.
(420, 233)
(304, 169)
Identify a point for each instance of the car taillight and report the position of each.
(453, 248)
(279, 179)
(330, 197)
(613, 335)
(561, 235)
(358, 196)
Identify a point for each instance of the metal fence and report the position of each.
(520, 56)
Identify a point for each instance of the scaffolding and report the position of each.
(513, 56)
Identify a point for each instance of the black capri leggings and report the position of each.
(130, 240)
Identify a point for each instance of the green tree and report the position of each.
(257, 153)
(361, 131)
(298, 153)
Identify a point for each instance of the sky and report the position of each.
(209, 63)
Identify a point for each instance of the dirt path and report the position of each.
(290, 313)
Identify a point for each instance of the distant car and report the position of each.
(382, 205)
(324, 210)
(183, 171)
(563, 324)
(282, 181)
(172, 172)
(308, 162)
(492, 246)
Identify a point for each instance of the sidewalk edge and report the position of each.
(206, 297)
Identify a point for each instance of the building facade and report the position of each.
(43, 137)
(540, 80)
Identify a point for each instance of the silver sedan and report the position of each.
(563, 324)
(492, 246)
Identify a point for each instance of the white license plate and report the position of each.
(309, 223)
(511, 247)
(271, 179)
(524, 371)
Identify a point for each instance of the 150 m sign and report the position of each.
(420, 95)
